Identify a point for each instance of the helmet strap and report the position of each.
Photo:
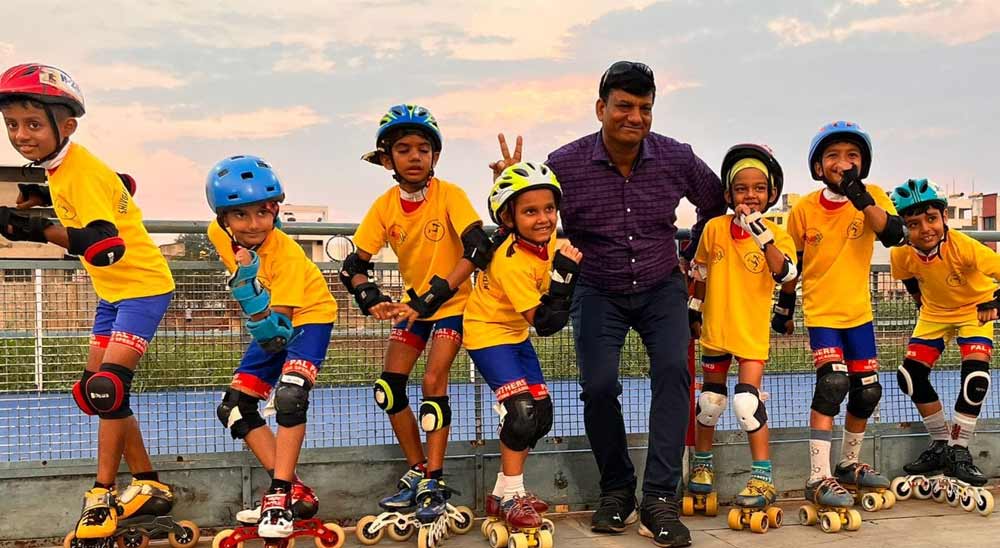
(60, 142)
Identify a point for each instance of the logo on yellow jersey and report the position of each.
(754, 262)
(63, 209)
(717, 254)
(856, 229)
(434, 230)
(956, 279)
(397, 234)
(813, 236)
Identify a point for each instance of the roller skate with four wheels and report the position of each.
(437, 518)
(133, 519)
(829, 505)
(701, 493)
(754, 508)
(519, 525)
(964, 482)
(922, 474)
(395, 521)
(493, 513)
(869, 488)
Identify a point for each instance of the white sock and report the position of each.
(498, 486)
(513, 486)
(965, 427)
(819, 455)
(850, 449)
(937, 426)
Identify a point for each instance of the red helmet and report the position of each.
(44, 84)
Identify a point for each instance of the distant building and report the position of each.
(312, 245)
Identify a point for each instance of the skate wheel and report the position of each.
(498, 535)
(463, 522)
(871, 502)
(399, 534)
(735, 519)
(132, 538)
(829, 522)
(548, 525)
(712, 504)
(221, 536)
(955, 495)
(968, 500)
(69, 541)
(545, 539)
(901, 488)
(190, 535)
(687, 506)
(808, 514)
(984, 502)
(922, 488)
(888, 500)
(424, 538)
(853, 520)
(332, 536)
(758, 522)
(939, 491)
(484, 527)
(775, 517)
(366, 534)
(518, 540)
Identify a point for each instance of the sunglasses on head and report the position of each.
(622, 68)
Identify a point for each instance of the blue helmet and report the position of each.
(242, 180)
(915, 192)
(399, 117)
(841, 131)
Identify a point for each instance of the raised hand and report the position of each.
(507, 158)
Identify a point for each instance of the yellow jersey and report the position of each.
(85, 190)
(739, 288)
(513, 284)
(427, 241)
(836, 245)
(962, 275)
(292, 279)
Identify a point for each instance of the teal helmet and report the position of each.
(915, 192)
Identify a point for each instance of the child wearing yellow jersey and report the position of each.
(528, 283)
(101, 224)
(739, 259)
(834, 230)
(291, 315)
(953, 279)
(434, 231)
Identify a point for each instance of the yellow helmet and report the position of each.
(519, 178)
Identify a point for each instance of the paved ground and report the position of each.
(910, 523)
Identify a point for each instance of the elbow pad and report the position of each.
(551, 315)
(479, 247)
(788, 272)
(912, 286)
(128, 182)
(894, 233)
(98, 243)
(352, 266)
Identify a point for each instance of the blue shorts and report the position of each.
(421, 331)
(131, 322)
(510, 369)
(259, 371)
(854, 346)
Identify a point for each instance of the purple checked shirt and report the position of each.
(625, 225)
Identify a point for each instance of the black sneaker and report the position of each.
(615, 512)
(931, 461)
(958, 464)
(660, 521)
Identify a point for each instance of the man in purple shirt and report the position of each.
(621, 188)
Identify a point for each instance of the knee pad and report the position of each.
(749, 410)
(80, 394)
(975, 386)
(521, 418)
(435, 413)
(544, 411)
(390, 392)
(832, 386)
(914, 380)
(238, 412)
(108, 391)
(865, 394)
(711, 403)
(291, 399)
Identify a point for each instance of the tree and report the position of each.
(197, 247)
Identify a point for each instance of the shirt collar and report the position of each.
(599, 153)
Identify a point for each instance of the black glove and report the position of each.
(990, 305)
(367, 295)
(429, 303)
(18, 227)
(855, 190)
(565, 271)
(784, 311)
(33, 189)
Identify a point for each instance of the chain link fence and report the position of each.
(47, 308)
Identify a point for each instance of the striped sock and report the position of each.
(761, 469)
(703, 458)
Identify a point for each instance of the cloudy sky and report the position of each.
(174, 86)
